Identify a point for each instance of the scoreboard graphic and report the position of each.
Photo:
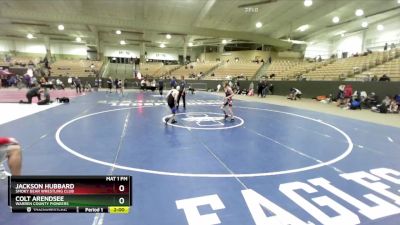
(67, 194)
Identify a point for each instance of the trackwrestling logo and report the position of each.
(205, 121)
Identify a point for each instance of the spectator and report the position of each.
(143, 84)
(264, 90)
(385, 47)
(294, 94)
(348, 93)
(109, 83)
(271, 76)
(87, 87)
(384, 77)
(161, 86)
(153, 85)
(259, 88)
(116, 85)
(270, 88)
(355, 103)
(393, 106)
(59, 84)
(251, 86)
(371, 100)
(78, 85)
(383, 107)
(97, 83)
(70, 82)
(173, 83)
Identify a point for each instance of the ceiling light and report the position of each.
(259, 24)
(29, 36)
(224, 41)
(340, 32)
(336, 19)
(162, 45)
(398, 1)
(303, 28)
(364, 24)
(118, 32)
(342, 35)
(190, 44)
(168, 36)
(380, 27)
(359, 12)
(122, 42)
(60, 27)
(78, 39)
(307, 3)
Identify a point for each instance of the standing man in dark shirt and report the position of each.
(182, 92)
(161, 86)
(78, 85)
(116, 85)
(109, 83)
(173, 82)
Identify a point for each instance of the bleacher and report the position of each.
(150, 69)
(25, 60)
(165, 70)
(302, 68)
(390, 68)
(234, 69)
(194, 68)
(20, 61)
(80, 68)
(156, 69)
(280, 66)
(348, 67)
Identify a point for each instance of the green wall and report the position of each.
(309, 88)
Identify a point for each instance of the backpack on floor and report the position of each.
(63, 100)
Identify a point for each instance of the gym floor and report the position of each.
(273, 165)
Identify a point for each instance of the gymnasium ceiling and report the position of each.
(198, 21)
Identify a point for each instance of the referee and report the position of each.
(182, 92)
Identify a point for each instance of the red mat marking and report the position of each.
(15, 95)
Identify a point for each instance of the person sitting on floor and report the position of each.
(294, 94)
(355, 103)
(384, 78)
(383, 107)
(371, 100)
(394, 104)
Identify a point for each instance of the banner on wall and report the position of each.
(162, 56)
